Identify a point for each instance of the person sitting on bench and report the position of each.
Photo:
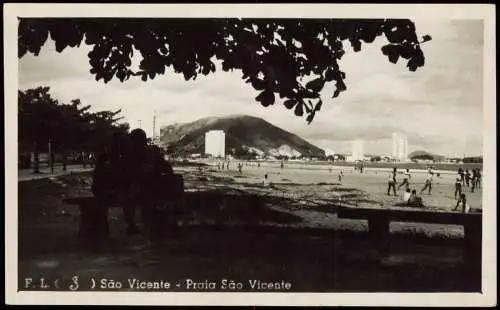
(406, 195)
(462, 203)
(108, 180)
(414, 200)
(145, 169)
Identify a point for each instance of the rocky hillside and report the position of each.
(242, 132)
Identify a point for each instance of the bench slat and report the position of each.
(411, 216)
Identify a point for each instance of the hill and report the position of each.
(423, 154)
(243, 132)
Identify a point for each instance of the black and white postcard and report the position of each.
(250, 154)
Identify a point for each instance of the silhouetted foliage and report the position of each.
(294, 59)
(69, 127)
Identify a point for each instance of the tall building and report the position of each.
(155, 137)
(399, 147)
(357, 150)
(215, 143)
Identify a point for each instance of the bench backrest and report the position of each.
(452, 218)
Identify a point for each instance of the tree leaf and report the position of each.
(340, 87)
(310, 117)
(392, 51)
(329, 74)
(318, 105)
(426, 38)
(316, 85)
(259, 84)
(299, 110)
(266, 98)
(290, 103)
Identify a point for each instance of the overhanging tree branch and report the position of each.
(274, 56)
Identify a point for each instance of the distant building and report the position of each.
(338, 157)
(329, 152)
(357, 150)
(215, 143)
(399, 147)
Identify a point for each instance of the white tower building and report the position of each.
(215, 143)
(358, 150)
(399, 147)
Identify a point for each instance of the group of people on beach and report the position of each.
(467, 179)
(410, 197)
(222, 165)
(406, 181)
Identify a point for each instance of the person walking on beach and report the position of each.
(478, 178)
(341, 174)
(467, 177)
(473, 180)
(458, 186)
(428, 182)
(266, 181)
(406, 178)
(462, 175)
(392, 182)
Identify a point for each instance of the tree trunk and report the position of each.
(52, 157)
(64, 161)
(36, 159)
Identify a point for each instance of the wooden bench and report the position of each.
(94, 212)
(379, 221)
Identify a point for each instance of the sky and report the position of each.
(439, 107)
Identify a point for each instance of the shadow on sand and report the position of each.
(315, 260)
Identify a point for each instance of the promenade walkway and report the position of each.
(28, 175)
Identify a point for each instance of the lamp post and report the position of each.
(51, 162)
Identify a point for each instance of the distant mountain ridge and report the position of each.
(242, 132)
(425, 153)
